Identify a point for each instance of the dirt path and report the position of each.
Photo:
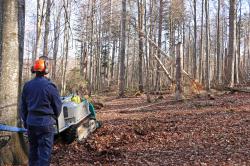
(195, 132)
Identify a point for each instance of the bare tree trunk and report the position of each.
(87, 41)
(1, 32)
(178, 91)
(98, 81)
(184, 43)
(207, 46)
(238, 46)
(236, 67)
(66, 44)
(223, 39)
(47, 25)
(82, 58)
(188, 48)
(172, 41)
(195, 45)
(232, 43)
(146, 46)
(244, 53)
(157, 82)
(21, 30)
(133, 64)
(56, 43)
(90, 77)
(140, 25)
(123, 47)
(109, 40)
(218, 45)
(151, 29)
(40, 15)
(248, 45)
(127, 58)
(201, 64)
(118, 60)
(113, 60)
(14, 152)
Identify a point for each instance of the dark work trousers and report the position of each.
(41, 139)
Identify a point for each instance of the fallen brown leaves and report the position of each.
(195, 132)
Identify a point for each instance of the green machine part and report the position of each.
(91, 108)
(92, 111)
(93, 115)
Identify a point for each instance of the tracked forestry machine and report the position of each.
(77, 119)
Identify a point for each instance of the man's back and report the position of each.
(41, 102)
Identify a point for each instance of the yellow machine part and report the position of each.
(76, 99)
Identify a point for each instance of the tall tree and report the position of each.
(39, 23)
(157, 83)
(195, 43)
(218, 73)
(90, 76)
(113, 59)
(123, 47)
(47, 25)
(232, 42)
(21, 29)
(151, 33)
(207, 46)
(14, 152)
(67, 8)
(56, 42)
(1, 31)
(248, 36)
(140, 25)
(201, 66)
(223, 42)
(178, 91)
(238, 39)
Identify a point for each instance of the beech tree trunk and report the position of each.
(40, 15)
(218, 73)
(113, 60)
(123, 47)
(56, 44)
(47, 25)
(178, 91)
(232, 42)
(157, 82)
(21, 29)
(90, 77)
(140, 25)
(1, 32)
(66, 44)
(195, 41)
(201, 64)
(15, 150)
(207, 46)
(238, 66)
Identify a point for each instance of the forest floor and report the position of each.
(198, 131)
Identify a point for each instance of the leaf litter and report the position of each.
(194, 132)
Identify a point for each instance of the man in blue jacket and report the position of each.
(40, 107)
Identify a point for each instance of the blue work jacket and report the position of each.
(40, 102)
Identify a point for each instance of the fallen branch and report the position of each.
(233, 90)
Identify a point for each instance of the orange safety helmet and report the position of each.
(40, 66)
